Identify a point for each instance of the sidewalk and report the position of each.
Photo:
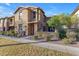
(21, 40)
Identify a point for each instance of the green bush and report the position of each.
(47, 35)
(77, 36)
(1, 32)
(4, 32)
(71, 35)
(48, 38)
(62, 34)
(68, 40)
(40, 34)
(12, 33)
(56, 34)
(9, 33)
(35, 37)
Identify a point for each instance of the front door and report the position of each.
(31, 29)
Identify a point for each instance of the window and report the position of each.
(34, 14)
(10, 21)
(20, 15)
(20, 27)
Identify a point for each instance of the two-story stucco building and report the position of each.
(7, 23)
(1, 24)
(25, 21)
(29, 20)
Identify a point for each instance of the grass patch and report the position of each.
(26, 50)
(29, 50)
(4, 41)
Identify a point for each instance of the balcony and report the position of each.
(33, 22)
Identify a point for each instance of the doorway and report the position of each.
(31, 29)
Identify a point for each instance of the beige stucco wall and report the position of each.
(77, 15)
(38, 26)
(27, 19)
(1, 24)
(5, 23)
(13, 21)
(41, 22)
(24, 20)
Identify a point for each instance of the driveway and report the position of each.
(48, 45)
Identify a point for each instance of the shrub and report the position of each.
(1, 32)
(77, 36)
(68, 40)
(40, 34)
(35, 37)
(48, 38)
(12, 33)
(62, 34)
(9, 33)
(56, 34)
(71, 35)
(4, 33)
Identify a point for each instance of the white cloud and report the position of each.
(10, 13)
(8, 4)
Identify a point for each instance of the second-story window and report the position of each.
(10, 21)
(20, 27)
(34, 14)
(20, 15)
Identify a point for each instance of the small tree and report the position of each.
(57, 21)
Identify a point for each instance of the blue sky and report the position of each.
(50, 9)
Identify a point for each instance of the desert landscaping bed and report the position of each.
(4, 41)
(26, 50)
(29, 50)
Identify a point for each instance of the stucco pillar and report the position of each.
(35, 28)
(26, 29)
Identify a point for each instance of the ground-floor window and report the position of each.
(44, 29)
(51, 29)
(20, 27)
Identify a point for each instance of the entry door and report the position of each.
(31, 29)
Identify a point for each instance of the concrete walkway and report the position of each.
(21, 40)
(48, 45)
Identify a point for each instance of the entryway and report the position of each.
(31, 29)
